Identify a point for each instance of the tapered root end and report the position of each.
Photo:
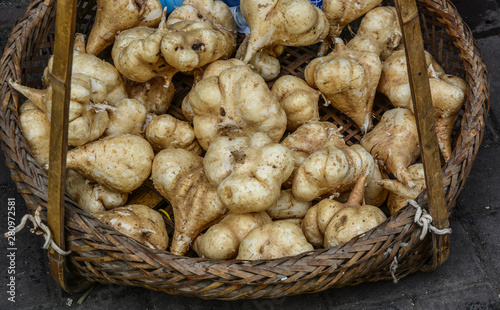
(180, 244)
(404, 177)
(79, 44)
(324, 47)
(358, 192)
(35, 95)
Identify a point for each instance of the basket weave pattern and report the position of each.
(104, 255)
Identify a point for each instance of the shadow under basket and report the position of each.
(101, 254)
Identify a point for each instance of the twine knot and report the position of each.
(37, 223)
(393, 268)
(424, 219)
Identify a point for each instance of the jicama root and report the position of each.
(212, 11)
(339, 14)
(248, 171)
(191, 44)
(165, 131)
(394, 143)
(236, 102)
(334, 170)
(193, 36)
(265, 61)
(274, 240)
(309, 138)
(137, 55)
(448, 94)
(115, 16)
(127, 117)
(282, 22)
(311, 143)
(379, 32)
(287, 207)
(298, 99)
(36, 130)
(178, 175)
(222, 240)
(86, 121)
(200, 32)
(88, 127)
(90, 196)
(121, 162)
(138, 222)
(152, 94)
(331, 223)
(348, 78)
(98, 70)
(399, 193)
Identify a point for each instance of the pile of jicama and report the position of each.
(250, 172)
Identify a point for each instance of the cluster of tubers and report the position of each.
(251, 172)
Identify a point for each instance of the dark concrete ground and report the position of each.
(470, 279)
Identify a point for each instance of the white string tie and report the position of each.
(424, 219)
(393, 268)
(37, 223)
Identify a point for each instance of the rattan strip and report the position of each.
(289, 266)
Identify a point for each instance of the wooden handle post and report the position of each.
(424, 114)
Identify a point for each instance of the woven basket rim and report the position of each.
(477, 106)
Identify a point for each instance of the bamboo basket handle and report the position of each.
(60, 80)
(424, 114)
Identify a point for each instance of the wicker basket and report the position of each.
(101, 254)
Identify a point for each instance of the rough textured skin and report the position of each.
(193, 36)
(399, 193)
(114, 16)
(309, 138)
(282, 22)
(192, 44)
(448, 94)
(379, 32)
(339, 13)
(350, 222)
(236, 102)
(166, 131)
(200, 32)
(248, 171)
(394, 143)
(334, 170)
(99, 70)
(137, 55)
(127, 117)
(215, 12)
(274, 240)
(139, 222)
(88, 127)
(288, 207)
(121, 162)
(222, 240)
(86, 121)
(330, 223)
(178, 175)
(219, 66)
(90, 196)
(265, 61)
(317, 218)
(319, 150)
(152, 94)
(348, 78)
(298, 99)
(36, 129)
